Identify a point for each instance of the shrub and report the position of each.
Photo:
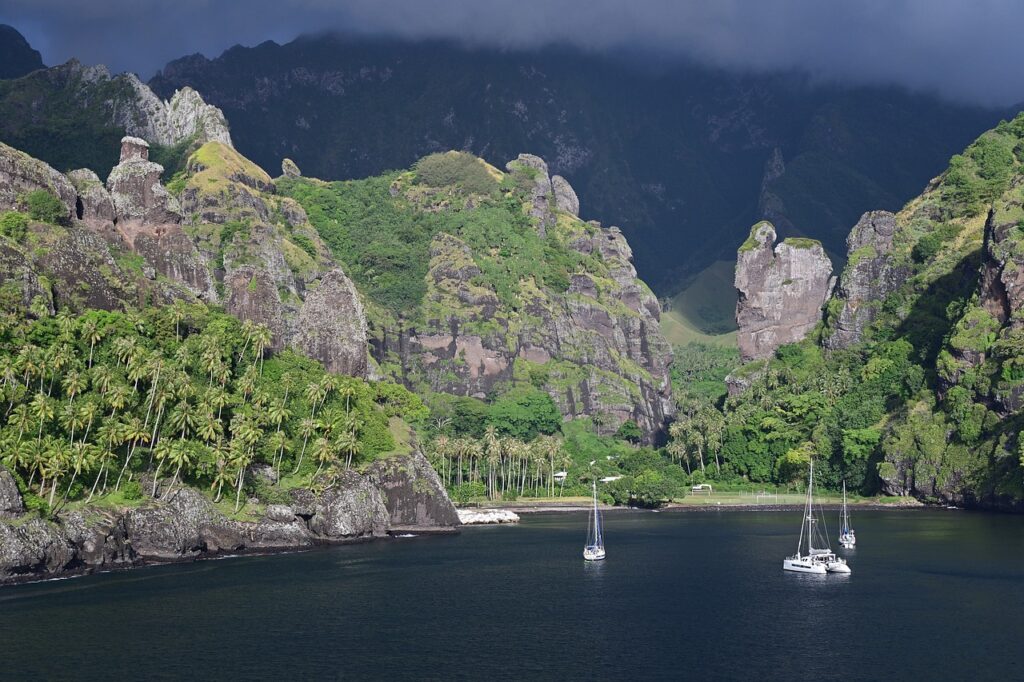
(131, 490)
(14, 225)
(459, 169)
(467, 492)
(45, 207)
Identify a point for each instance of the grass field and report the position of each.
(704, 311)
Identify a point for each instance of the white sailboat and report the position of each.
(847, 538)
(594, 549)
(816, 560)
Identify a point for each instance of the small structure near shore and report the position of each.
(473, 517)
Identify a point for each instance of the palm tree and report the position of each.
(278, 414)
(83, 458)
(261, 338)
(177, 314)
(347, 392)
(72, 384)
(92, 333)
(42, 408)
(323, 452)
(180, 457)
(162, 452)
(348, 444)
(135, 432)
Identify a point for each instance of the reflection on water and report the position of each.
(699, 594)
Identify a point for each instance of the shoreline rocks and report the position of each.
(186, 526)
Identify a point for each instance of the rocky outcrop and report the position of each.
(185, 116)
(134, 186)
(395, 495)
(565, 196)
(412, 493)
(21, 174)
(94, 205)
(595, 340)
(289, 169)
(535, 171)
(782, 289)
(869, 276)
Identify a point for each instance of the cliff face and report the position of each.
(673, 155)
(517, 289)
(782, 289)
(401, 494)
(870, 275)
(72, 116)
(228, 241)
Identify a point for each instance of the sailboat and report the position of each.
(847, 538)
(816, 560)
(594, 549)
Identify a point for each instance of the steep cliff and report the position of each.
(478, 280)
(782, 289)
(869, 277)
(226, 238)
(72, 116)
(917, 388)
(675, 156)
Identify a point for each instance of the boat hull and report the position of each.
(593, 553)
(838, 567)
(803, 565)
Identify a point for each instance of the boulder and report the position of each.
(34, 548)
(174, 528)
(412, 493)
(782, 288)
(352, 508)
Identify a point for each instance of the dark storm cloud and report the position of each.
(970, 50)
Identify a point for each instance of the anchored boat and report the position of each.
(594, 549)
(817, 559)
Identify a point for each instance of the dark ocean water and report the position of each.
(934, 595)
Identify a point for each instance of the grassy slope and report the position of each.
(704, 310)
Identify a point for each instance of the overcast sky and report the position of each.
(969, 50)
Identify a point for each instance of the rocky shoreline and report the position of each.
(400, 495)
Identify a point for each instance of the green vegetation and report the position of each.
(933, 389)
(45, 207)
(13, 225)
(460, 170)
(183, 394)
(381, 230)
(801, 242)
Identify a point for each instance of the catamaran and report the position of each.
(847, 538)
(817, 560)
(594, 549)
